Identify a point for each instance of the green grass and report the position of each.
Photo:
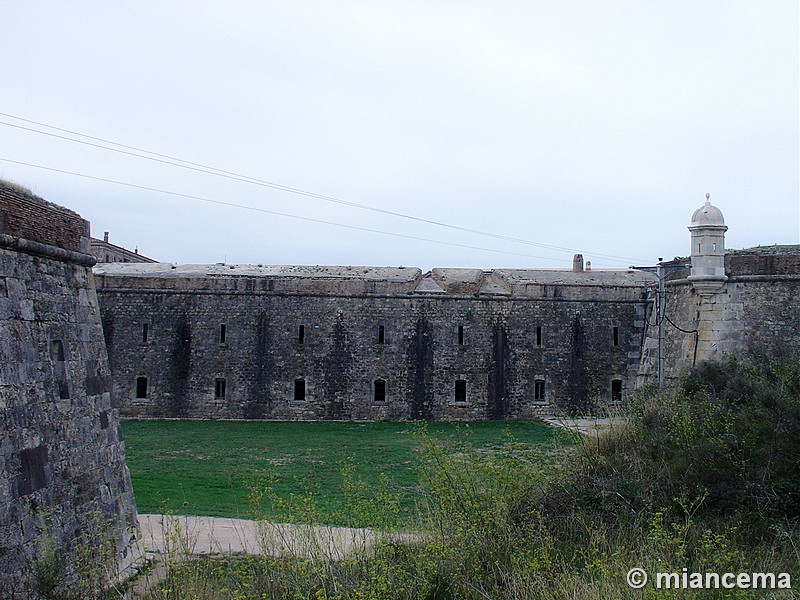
(211, 467)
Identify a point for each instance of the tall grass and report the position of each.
(702, 478)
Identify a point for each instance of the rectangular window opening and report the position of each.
(379, 394)
(145, 328)
(460, 335)
(616, 390)
(301, 334)
(141, 387)
(299, 389)
(223, 332)
(538, 335)
(616, 336)
(461, 390)
(32, 475)
(538, 390)
(219, 388)
(381, 334)
(57, 351)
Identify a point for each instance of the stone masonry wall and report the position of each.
(64, 486)
(563, 337)
(754, 312)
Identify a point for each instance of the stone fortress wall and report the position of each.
(223, 341)
(754, 311)
(231, 341)
(62, 459)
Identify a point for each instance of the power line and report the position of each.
(267, 211)
(193, 166)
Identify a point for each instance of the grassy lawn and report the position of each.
(211, 467)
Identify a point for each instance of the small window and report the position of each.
(381, 334)
(299, 389)
(461, 390)
(301, 334)
(616, 390)
(223, 332)
(615, 336)
(57, 351)
(32, 475)
(538, 390)
(379, 394)
(219, 388)
(63, 385)
(460, 335)
(144, 332)
(141, 387)
(538, 335)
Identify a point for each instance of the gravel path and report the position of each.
(586, 425)
(209, 535)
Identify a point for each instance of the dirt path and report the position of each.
(210, 535)
(586, 425)
(180, 537)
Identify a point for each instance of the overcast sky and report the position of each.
(589, 126)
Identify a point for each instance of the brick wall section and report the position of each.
(62, 459)
(763, 263)
(30, 217)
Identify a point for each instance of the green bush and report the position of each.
(729, 435)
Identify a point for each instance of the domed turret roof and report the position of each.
(708, 214)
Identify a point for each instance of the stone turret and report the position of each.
(708, 249)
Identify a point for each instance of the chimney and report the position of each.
(577, 263)
(105, 236)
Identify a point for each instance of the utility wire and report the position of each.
(267, 211)
(185, 164)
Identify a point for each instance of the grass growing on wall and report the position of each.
(218, 468)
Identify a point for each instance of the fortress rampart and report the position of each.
(62, 460)
(294, 342)
(755, 312)
(222, 341)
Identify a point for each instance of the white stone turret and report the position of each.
(708, 249)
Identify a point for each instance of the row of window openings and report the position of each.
(301, 334)
(379, 389)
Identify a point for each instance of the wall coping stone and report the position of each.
(45, 250)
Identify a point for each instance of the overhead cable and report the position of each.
(193, 166)
(267, 211)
